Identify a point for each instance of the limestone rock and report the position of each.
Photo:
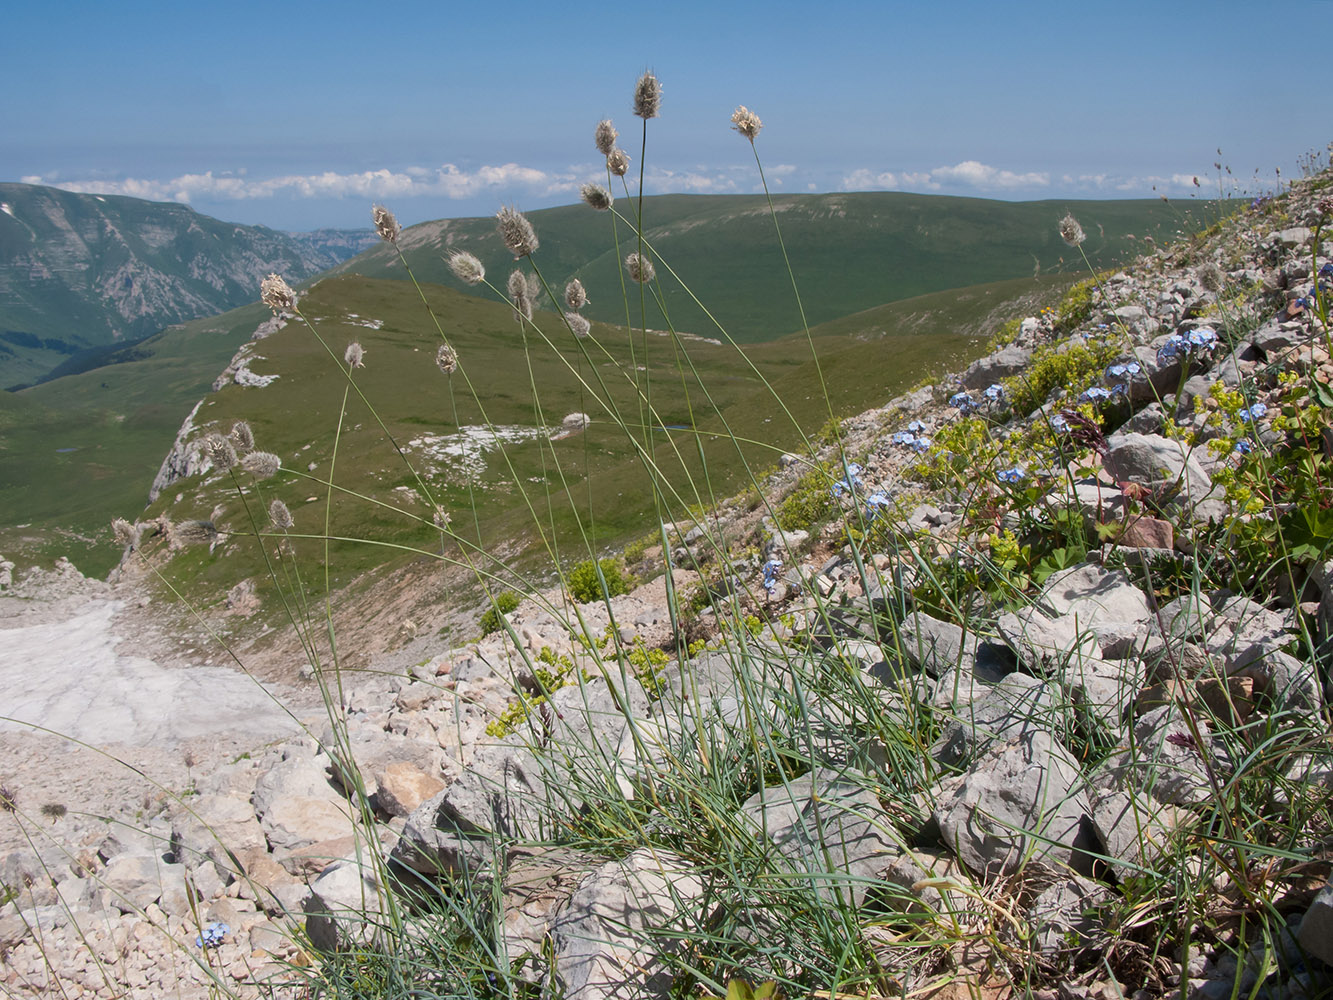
(829, 829)
(609, 937)
(1021, 802)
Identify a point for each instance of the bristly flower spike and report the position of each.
(447, 359)
(220, 452)
(385, 224)
(1070, 231)
(466, 267)
(261, 464)
(517, 232)
(242, 436)
(276, 293)
(519, 294)
(576, 296)
(597, 196)
(355, 355)
(640, 268)
(578, 323)
(605, 137)
(280, 515)
(618, 162)
(746, 122)
(648, 97)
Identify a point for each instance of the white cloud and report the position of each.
(447, 180)
(973, 173)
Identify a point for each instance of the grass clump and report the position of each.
(490, 620)
(598, 581)
(810, 500)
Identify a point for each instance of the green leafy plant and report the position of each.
(595, 581)
(490, 620)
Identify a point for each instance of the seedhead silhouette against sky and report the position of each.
(300, 115)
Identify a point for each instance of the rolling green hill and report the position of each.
(850, 252)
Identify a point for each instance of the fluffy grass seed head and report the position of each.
(193, 533)
(1070, 231)
(640, 268)
(385, 224)
(466, 267)
(517, 232)
(220, 452)
(618, 162)
(124, 532)
(261, 464)
(442, 518)
(8, 799)
(578, 323)
(519, 290)
(648, 97)
(242, 436)
(355, 355)
(746, 122)
(576, 296)
(280, 515)
(605, 136)
(446, 358)
(275, 293)
(597, 196)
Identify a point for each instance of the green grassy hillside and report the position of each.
(850, 252)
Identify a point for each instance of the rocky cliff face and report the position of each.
(83, 271)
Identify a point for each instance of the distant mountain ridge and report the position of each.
(79, 272)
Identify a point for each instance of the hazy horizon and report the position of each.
(301, 116)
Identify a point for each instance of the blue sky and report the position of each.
(300, 115)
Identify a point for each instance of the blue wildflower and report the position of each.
(1253, 412)
(921, 444)
(876, 504)
(212, 935)
(916, 427)
(962, 402)
(1059, 424)
(1244, 446)
(1094, 395)
(903, 437)
(994, 392)
(771, 570)
(1014, 475)
(1123, 370)
(1204, 338)
(1326, 271)
(851, 483)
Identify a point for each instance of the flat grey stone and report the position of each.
(934, 646)
(1022, 801)
(610, 937)
(1166, 465)
(347, 906)
(829, 829)
(1095, 596)
(1316, 930)
(1014, 706)
(1163, 761)
(1044, 644)
(1064, 916)
(1004, 362)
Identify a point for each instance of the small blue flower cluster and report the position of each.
(1097, 394)
(876, 504)
(851, 483)
(1326, 271)
(1252, 413)
(1059, 424)
(1182, 345)
(1014, 475)
(963, 402)
(1122, 371)
(916, 427)
(1244, 446)
(212, 935)
(910, 440)
(771, 570)
(994, 393)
